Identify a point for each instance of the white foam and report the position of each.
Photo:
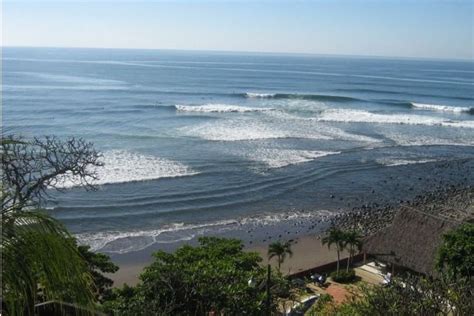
(128, 241)
(390, 162)
(361, 116)
(276, 127)
(122, 166)
(219, 108)
(442, 108)
(278, 158)
(259, 95)
(235, 130)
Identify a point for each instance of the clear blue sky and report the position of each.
(417, 28)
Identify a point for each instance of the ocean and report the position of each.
(239, 144)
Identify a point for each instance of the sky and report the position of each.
(403, 28)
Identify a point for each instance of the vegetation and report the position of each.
(411, 295)
(449, 294)
(352, 242)
(335, 237)
(279, 250)
(215, 276)
(40, 260)
(98, 264)
(456, 254)
(344, 276)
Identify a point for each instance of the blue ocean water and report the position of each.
(203, 142)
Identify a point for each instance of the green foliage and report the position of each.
(335, 237)
(40, 260)
(344, 276)
(323, 306)
(352, 242)
(195, 280)
(456, 254)
(411, 295)
(98, 264)
(279, 250)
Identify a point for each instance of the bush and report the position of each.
(344, 276)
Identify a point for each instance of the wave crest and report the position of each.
(443, 108)
(361, 116)
(128, 241)
(219, 108)
(314, 97)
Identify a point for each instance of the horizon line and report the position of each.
(247, 52)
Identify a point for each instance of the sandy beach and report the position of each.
(308, 252)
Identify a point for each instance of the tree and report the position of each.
(456, 253)
(39, 257)
(280, 251)
(410, 295)
(216, 275)
(335, 237)
(352, 241)
(98, 264)
(31, 168)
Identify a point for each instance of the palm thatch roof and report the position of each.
(412, 240)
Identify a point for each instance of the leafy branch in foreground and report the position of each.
(30, 168)
(40, 260)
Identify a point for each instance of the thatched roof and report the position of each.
(411, 241)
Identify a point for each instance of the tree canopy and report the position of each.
(40, 259)
(456, 253)
(216, 276)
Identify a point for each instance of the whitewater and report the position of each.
(200, 144)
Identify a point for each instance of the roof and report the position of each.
(411, 241)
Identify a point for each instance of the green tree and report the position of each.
(216, 275)
(280, 250)
(353, 242)
(456, 253)
(410, 295)
(98, 264)
(40, 260)
(335, 237)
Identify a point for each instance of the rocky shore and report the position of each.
(453, 202)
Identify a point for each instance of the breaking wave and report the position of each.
(123, 166)
(443, 108)
(219, 108)
(315, 97)
(361, 116)
(128, 241)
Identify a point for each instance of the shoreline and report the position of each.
(308, 252)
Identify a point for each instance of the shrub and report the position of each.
(344, 276)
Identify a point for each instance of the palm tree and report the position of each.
(335, 237)
(279, 250)
(40, 260)
(353, 241)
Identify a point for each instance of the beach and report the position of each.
(309, 252)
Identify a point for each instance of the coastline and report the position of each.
(308, 251)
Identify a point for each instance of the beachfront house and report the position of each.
(412, 240)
